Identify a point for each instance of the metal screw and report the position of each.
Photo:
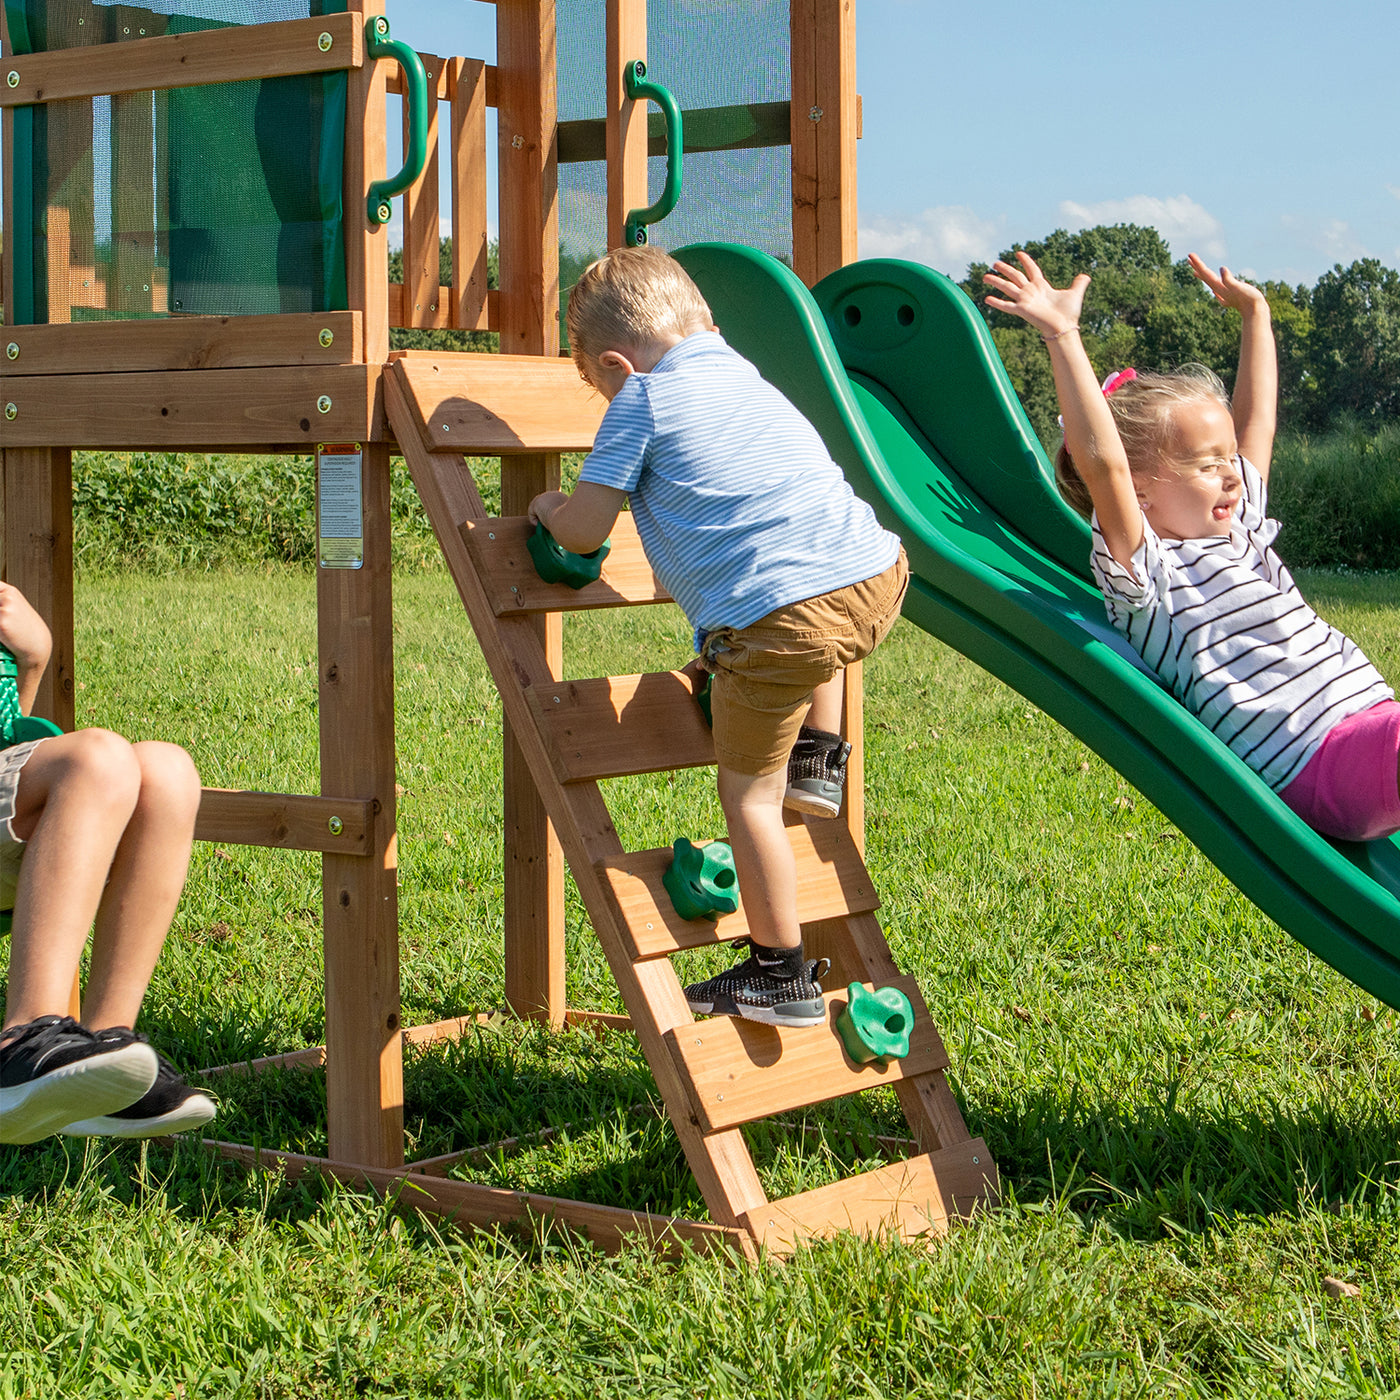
(11, 410)
(719, 1098)
(699, 1042)
(324, 41)
(514, 589)
(335, 826)
(381, 26)
(326, 337)
(145, 286)
(975, 1161)
(557, 701)
(649, 925)
(490, 534)
(447, 427)
(12, 78)
(384, 211)
(515, 141)
(12, 350)
(816, 114)
(323, 404)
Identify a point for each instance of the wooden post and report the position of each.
(823, 136)
(364, 1065)
(366, 153)
(422, 240)
(627, 120)
(529, 323)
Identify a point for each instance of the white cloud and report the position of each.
(947, 237)
(1334, 240)
(1186, 225)
(1395, 190)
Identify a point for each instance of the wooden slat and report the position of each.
(182, 343)
(499, 547)
(467, 157)
(738, 1071)
(905, 1200)
(831, 881)
(466, 1204)
(394, 80)
(185, 60)
(194, 408)
(421, 239)
(506, 404)
(487, 317)
(290, 821)
(625, 141)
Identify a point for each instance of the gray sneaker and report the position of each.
(750, 990)
(817, 773)
(55, 1071)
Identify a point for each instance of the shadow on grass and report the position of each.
(1150, 1168)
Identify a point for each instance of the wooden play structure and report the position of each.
(113, 341)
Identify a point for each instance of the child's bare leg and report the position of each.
(763, 860)
(828, 702)
(75, 796)
(148, 874)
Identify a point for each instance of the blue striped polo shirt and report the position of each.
(737, 502)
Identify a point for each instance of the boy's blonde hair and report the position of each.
(1142, 411)
(630, 298)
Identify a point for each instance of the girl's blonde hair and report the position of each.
(1142, 414)
(630, 298)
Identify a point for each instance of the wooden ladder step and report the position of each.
(498, 404)
(617, 726)
(502, 560)
(831, 881)
(904, 1200)
(738, 1071)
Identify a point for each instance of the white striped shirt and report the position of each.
(1221, 621)
(738, 504)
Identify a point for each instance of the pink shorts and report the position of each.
(1348, 789)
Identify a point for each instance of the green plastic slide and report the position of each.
(899, 374)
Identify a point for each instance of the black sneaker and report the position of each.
(755, 992)
(816, 775)
(55, 1070)
(168, 1106)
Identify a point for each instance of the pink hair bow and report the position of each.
(1116, 381)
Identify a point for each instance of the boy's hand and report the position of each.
(1026, 293)
(544, 505)
(23, 630)
(1227, 289)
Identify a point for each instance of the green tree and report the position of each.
(1355, 342)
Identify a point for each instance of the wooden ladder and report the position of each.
(714, 1074)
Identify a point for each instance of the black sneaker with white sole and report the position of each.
(168, 1106)
(53, 1071)
(765, 987)
(816, 775)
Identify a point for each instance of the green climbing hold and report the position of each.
(875, 1024)
(15, 726)
(701, 879)
(555, 564)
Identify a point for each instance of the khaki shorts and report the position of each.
(765, 673)
(12, 760)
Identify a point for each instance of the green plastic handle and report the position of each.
(15, 726)
(640, 88)
(378, 44)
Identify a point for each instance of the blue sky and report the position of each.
(1265, 133)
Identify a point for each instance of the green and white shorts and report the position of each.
(12, 760)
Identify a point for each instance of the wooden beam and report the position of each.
(183, 343)
(738, 1071)
(626, 140)
(364, 1069)
(509, 574)
(485, 405)
(487, 316)
(366, 158)
(227, 55)
(289, 821)
(38, 560)
(194, 408)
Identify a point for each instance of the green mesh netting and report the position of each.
(728, 65)
(218, 200)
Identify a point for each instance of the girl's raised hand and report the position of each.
(1226, 287)
(1026, 293)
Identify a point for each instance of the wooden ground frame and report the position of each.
(272, 384)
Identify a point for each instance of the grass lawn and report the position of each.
(1195, 1120)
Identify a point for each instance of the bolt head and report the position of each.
(326, 338)
(335, 826)
(815, 114)
(12, 351)
(11, 411)
(323, 404)
(324, 41)
(384, 212)
(12, 78)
